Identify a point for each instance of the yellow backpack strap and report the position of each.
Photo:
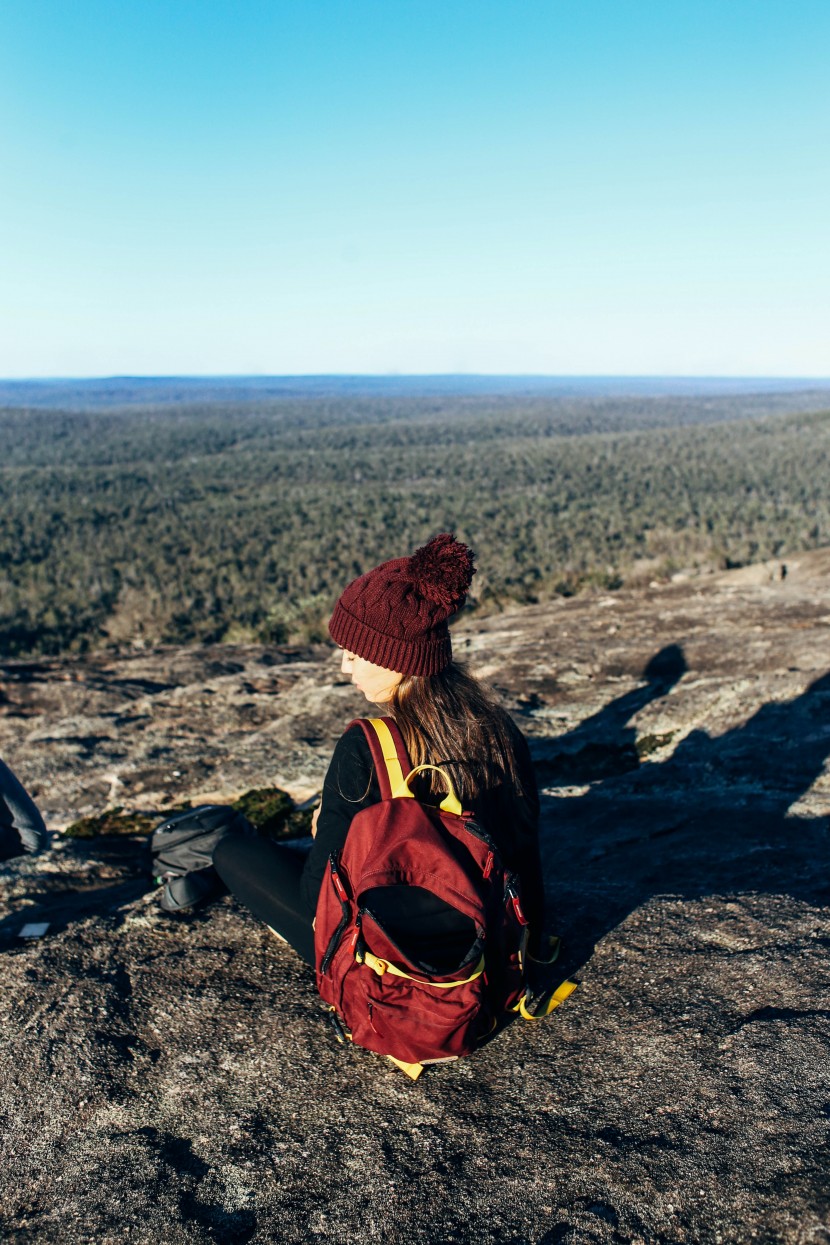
(552, 948)
(386, 753)
(386, 966)
(548, 1005)
(387, 746)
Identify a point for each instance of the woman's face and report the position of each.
(375, 682)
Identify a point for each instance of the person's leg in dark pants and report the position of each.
(266, 878)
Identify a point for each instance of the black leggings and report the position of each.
(265, 876)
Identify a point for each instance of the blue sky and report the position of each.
(233, 186)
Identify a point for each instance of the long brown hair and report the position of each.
(452, 720)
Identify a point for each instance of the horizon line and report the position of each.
(398, 375)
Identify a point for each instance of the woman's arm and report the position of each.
(350, 785)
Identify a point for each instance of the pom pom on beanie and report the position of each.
(442, 571)
(396, 615)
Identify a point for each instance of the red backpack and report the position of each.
(426, 989)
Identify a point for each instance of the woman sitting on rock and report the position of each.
(392, 627)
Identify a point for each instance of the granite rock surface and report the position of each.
(174, 1079)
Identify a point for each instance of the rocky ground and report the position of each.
(174, 1079)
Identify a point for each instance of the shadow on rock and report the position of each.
(71, 884)
(603, 745)
(711, 818)
(182, 1169)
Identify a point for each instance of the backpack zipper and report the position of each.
(472, 827)
(355, 946)
(476, 832)
(344, 919)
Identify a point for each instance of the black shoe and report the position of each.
(192, 889)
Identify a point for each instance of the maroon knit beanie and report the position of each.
(396, 615)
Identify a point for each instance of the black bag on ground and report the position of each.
(182, 850)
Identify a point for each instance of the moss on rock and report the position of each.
(112, 821)
(270, 809)
(273, 813)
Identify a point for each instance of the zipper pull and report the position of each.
(513, 896)
(488, 865)
(355, 939)
(338, 885)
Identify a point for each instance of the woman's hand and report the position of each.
(314, 817)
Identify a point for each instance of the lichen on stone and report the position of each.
(647, 744)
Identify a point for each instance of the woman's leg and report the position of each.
(266, 878)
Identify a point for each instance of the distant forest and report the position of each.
(236, 519)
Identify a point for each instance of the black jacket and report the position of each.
(21, 825)
(351, 785)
